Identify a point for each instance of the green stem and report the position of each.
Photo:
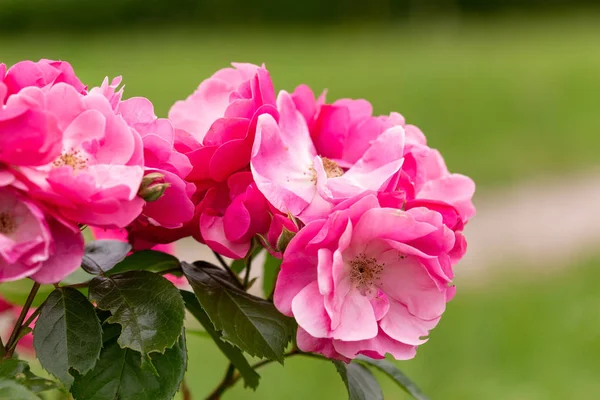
(224, 264)
(12, 341)
(248, 261)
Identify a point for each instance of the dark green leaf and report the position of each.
(238, 266)
(271, 270)
(393, 372)
(231, 352)
(118, 375)
(67, 334)
(18, 371)
(249, 322)
(148, 307)
(16, 292)
(101, 255)
(359, 381)
(11, 390)
(148, 260)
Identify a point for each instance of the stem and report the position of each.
(185, 391)
(233, 275)
(78, 285)
(2, 349)
(227, 381)
(247, 274)
(11, 344)
(34, 315)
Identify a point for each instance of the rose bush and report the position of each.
(357, 220)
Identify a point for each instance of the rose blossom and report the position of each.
(162, 160)
(33, 242)
(215, 128)
(367, 280)
(29, 133)
(215, 125)
(41, 74)
(297, 178)
(344, 130)
(95, 177)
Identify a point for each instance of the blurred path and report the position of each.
(542, 224)
(539, 225)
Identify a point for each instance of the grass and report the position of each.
(501, 99)
(518, 339)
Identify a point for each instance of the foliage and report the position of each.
(127, 341)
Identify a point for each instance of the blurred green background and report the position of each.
(507, 90)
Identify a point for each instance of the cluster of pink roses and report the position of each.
(375, 215)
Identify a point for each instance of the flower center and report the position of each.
(7, 223)
(331, 168)
(365, 272)
(73, 158)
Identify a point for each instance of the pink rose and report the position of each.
(232, 213)
(215, 128)
(161, 160)
(41, 74)
(367, 280)
(425, 179)
(34, 242)
(215, 125)
(297, 178)
(344, 131)
(96, 175)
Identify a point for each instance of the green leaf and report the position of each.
(148, 260)
(238, 266)
(18, 371)
(148, 307)
(67, 334)
(231, 352)
(102, 255)
(271, 270)
(393, 372)
(251, 323)
(16, 292)
(14, 391)
(359, 381)
(118, 375)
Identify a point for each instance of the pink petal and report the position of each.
(404, 327)
(213, 233)
(67, 255)
(357, 319)
(281, 174)
(406, 280)
(388, 223)
(309, 311)
(380, 345)
(298, 268)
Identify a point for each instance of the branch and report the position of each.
(226, 383)
(12, 341)
(230, 380)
